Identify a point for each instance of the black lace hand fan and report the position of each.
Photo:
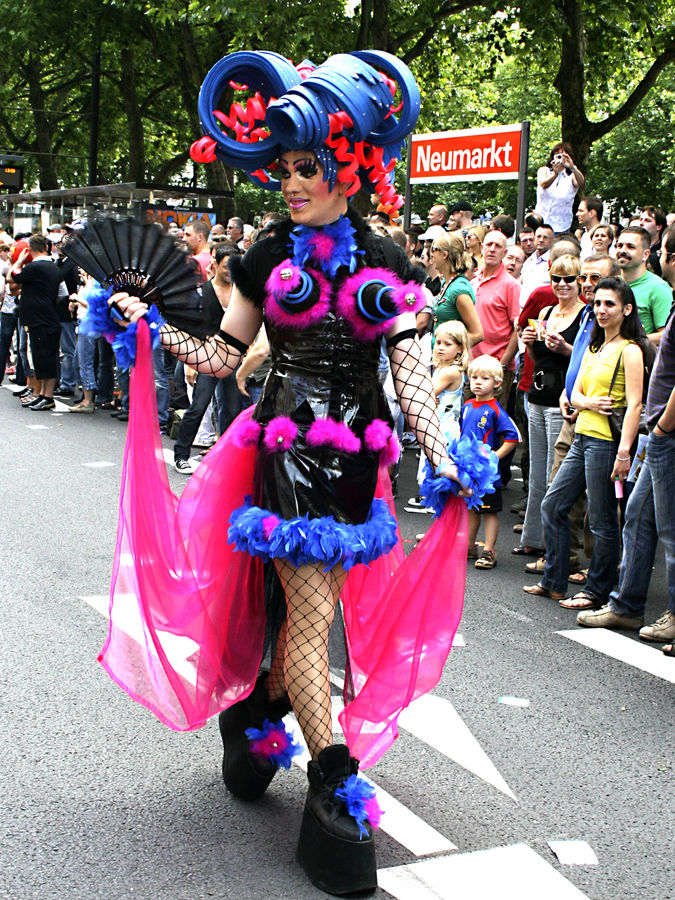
(142, 261)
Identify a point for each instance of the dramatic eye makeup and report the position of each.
(306, 168)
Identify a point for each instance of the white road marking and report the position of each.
(634, 653)
(400, 823)
(514, 872)
(435, 722)
(38, 427)
(98, 464)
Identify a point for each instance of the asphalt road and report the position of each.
(100, 800)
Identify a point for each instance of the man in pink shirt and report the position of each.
(498, 305)
(197, 238)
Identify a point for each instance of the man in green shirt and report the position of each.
(653, 295)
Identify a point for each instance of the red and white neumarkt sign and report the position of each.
(474, 154)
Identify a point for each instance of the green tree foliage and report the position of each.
(596, 72)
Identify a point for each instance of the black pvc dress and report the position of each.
(318, 449)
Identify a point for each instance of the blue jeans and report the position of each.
(544, 424)
(650, 515)
(23, 352)
(202, 395)
(68, 373)
(588, 465)
(7, 326)
(161, 384)
(229, 400)
(86, 354)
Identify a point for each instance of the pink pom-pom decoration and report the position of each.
(376, 435)
(323, 246)
(247, 434)
(280, 434)
(329, 433)
(391, 453)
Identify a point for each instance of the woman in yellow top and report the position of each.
(595, 461)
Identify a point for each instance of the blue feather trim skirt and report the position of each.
(303, 540)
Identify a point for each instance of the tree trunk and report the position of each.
(136, 165)
(218, 176)
(379, 27)
(44, 130)
(570, 82)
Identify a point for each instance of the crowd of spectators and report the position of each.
(575, 323)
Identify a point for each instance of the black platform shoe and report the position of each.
(336, 851)
(247, 774)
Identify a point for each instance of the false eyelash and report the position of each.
(306, 168)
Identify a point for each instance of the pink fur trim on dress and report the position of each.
(376, 435)
(407, 298)
(277, 288)
(280, 434)
(329, 433)
(391, 453)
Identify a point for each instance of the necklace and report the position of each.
(606, 343)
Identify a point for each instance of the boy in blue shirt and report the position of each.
(485, 419)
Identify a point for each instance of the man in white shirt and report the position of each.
(589, 214)
(535, 267)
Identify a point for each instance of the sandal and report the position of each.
(518, 529)
(668, 649)
(527, 551)
(536, 567)
(579, 577)
(109, 404)
(538, 590)
(582, 600)
(487, 560)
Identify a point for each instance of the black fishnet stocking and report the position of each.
(311, 595)
(417, 400)
(211, 356)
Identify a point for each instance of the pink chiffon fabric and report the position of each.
(187, 612)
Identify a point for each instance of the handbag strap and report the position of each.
(616, 369)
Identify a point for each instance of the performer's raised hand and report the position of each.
(130, 309)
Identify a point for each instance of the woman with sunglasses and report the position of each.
(457, 301)
(610, 375)
(549, 344)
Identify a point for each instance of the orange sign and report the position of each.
(474, 154)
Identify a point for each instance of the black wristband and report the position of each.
(663, 430)
(410, 333)
(232, 341)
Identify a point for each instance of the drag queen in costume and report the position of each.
(292, 509)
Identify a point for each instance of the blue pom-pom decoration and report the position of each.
(478, 468)
(124, 343)
(98, 321)
(101, 321)
(302, 540)
(357, 793)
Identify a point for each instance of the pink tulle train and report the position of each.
(187, 611)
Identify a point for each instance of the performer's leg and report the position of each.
(311, 595)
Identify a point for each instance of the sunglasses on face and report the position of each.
(594, 278)
(568, 279)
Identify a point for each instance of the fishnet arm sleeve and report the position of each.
(212, 356)
(417, 400)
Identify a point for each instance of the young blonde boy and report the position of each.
(487, 421)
